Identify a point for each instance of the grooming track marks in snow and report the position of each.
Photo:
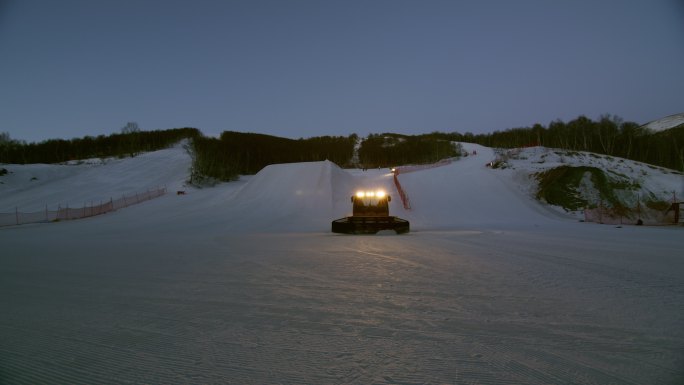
(243, 283)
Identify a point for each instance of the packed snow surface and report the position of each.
(244, 283)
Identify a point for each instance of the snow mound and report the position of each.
(294, 196)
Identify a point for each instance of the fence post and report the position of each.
(16, 214)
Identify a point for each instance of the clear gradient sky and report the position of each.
(301, 68)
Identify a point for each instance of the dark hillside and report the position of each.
(236, 153)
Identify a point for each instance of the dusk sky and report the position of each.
(300, 68)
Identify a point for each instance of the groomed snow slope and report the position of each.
(666, 123)
(243, 283)
(32, 187)
(466, 193)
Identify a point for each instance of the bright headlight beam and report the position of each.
(378, 194)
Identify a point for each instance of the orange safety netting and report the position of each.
(67, 213)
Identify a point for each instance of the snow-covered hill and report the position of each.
(633, 183)
(666, 123)
(31, 187)
(305, 196)
(245, 283)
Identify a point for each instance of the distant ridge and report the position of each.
(665, 123)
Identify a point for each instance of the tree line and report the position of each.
(609, 135)
(236, 153)
(386, 150)
(123, 144)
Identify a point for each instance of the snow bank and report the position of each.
(295, 196)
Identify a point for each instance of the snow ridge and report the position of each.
(666, 123)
